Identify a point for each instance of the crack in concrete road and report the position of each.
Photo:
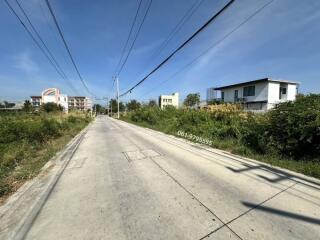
(246, 212)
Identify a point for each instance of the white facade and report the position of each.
(262, 94)
(53, 95)
(169, 100)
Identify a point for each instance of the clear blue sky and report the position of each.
(282, 42)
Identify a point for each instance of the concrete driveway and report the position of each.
(127, 182)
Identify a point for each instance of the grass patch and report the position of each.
(28, 141)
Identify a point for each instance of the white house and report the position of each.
(261, 94)
(169, 100)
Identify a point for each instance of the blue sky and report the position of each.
(280, 42)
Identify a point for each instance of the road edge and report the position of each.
(229, 154)
(65, 155)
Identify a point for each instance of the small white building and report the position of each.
(262, 94)
(169, 100)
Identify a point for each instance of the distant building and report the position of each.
(169, 100)
(79, 103)
(53, 95)
(262, 94)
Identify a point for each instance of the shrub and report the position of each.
(291, 129)
(294, 127)
(51, 107)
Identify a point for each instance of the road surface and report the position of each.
(127, 182)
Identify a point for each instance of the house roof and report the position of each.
(255, 81)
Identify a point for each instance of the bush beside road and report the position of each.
(287, 136)
(28, 141)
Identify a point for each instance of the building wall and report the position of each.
(274, 93)
(63, 101)
(48, 99)
(169, 100)
(261, 93)
(292, 92)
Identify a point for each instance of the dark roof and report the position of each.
(255, 81)
(35, 96)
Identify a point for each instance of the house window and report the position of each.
(222, 96)
(282, 91)
(236, 94)
(249, 91)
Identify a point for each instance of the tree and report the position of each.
(152, 103)
(27, 106)
(99, 109)
(114, 106)
(51, 107)
(7, 104)
(192, 99)
(133, 105)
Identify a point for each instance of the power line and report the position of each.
(135, 38)
(67, 47)
(52, 30)
(180, 47)
(128, 38)
(180, 24)
(176, 29)
(46, 47)
(212, 46)
(33, 38)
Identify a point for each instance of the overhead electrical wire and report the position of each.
(67, 47)
(48, 19)
(135, 38)
(194, 7)
(46, 47)
(211, 47)
(128, 38)
(34, 39)
(179, 26)
(180, 47)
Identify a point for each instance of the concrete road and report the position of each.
(126, 182)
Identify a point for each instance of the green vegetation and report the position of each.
(287, 136)
(192, 99)
(51, 107)
(28, 141)
(133, 105)
(6, 104)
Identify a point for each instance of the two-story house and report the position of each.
(169, 100)
(261, 94)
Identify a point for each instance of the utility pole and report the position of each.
(117, 79)
(107, 107)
